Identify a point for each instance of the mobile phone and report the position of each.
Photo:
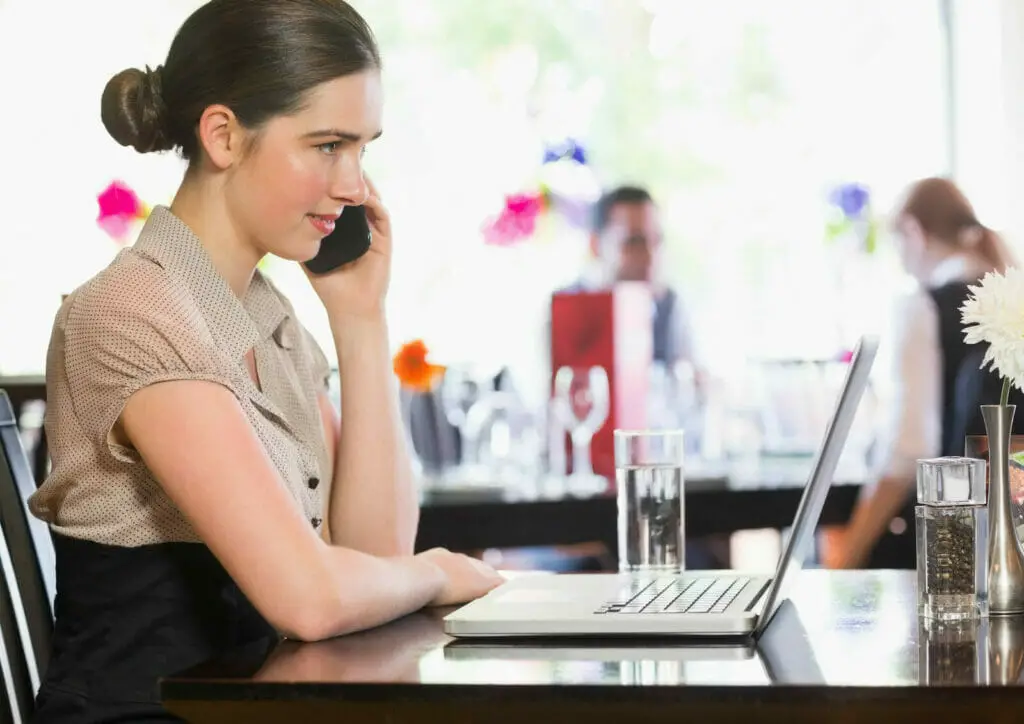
(349, 241)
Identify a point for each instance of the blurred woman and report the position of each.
(938, 382)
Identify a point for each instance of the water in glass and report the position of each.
(651, 517)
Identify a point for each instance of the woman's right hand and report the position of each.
(465, 578)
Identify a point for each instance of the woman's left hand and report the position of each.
(357, 290)
(836, 552)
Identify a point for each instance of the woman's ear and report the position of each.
(912, 241)
(912, 229)
(221, 136)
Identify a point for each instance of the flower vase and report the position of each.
(1005, 557)
(405, 399)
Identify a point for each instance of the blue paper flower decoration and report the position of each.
(851, 216)
(567, 149)
(853, 199)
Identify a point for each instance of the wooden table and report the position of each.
(848, 647)
(763, 493)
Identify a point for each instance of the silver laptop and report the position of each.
(784, 651)
(692, 603)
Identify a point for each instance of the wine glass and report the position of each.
(506, 437)
(583, 396)
(460, 391)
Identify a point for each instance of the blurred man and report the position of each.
(626, 240)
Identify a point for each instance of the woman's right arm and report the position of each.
(914, 430)
(196, 440)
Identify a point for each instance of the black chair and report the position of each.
(21, 394)
(19, 674)
(28, 541)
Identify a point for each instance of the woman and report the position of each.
(945, 248)
(203, 493)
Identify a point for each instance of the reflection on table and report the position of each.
(839, 629)
(848, 641)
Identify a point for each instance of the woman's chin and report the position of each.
(298, 252)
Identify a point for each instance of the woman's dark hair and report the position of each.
(258, 57)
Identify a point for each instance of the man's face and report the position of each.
(631, 242)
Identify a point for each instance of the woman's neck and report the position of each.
(198, 204)
(936, 254)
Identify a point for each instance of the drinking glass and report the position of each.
(651, 516)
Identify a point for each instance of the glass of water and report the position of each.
(649, 482)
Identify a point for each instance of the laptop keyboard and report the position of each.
(673, 594)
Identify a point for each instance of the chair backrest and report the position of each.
(19, 674)
(28, 540)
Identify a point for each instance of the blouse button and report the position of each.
(314, 483)
(316, 522)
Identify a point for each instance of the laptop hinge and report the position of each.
(757, 597)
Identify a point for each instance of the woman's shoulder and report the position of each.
(913, 320)
(132, 293)
(911, 302)
(129, 281)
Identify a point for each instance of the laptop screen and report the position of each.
(816, 490)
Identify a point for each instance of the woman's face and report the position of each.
(911, 244)
(307, 167)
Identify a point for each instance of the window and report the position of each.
(739, 115)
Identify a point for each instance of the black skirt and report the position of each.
(126, 617)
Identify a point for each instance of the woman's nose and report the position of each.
(348, 184)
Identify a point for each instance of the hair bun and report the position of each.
(133, 110)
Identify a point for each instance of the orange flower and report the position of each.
(413, 369)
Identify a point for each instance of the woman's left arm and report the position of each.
(373, 504)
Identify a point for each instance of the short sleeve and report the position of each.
(318, 360)
(914, 419)
(126, 330)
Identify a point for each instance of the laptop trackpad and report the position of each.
(537, 595)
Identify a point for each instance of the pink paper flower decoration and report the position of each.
(517, 220)
(119, 206)
(566, 191)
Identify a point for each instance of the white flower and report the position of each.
(994, 314)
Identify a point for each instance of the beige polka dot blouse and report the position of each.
(161, 312)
